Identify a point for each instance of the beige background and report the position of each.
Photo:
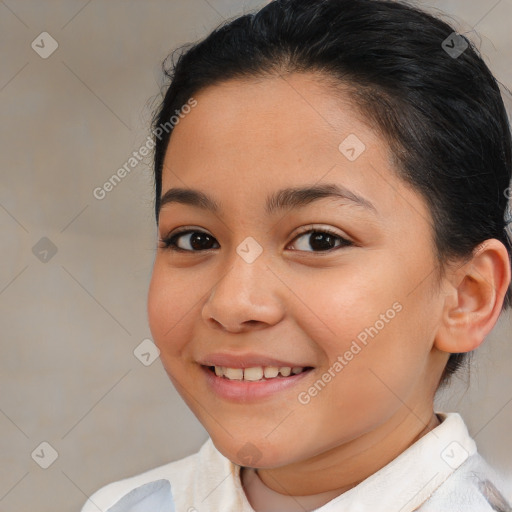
(68, 373)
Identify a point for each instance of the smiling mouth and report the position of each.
(257, 373)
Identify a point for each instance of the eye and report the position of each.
(319, 240)
(193, 241)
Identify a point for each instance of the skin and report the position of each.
(243, 141)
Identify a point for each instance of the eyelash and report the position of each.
(169, 243)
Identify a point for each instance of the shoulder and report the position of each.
(474, 487)
(180, 473)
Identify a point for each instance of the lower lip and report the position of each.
(243, 391)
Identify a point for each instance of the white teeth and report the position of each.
(233, 373)
(256, 373)
(253, 373)
(285, 371)
(270, 372)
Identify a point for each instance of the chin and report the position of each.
(252, 453)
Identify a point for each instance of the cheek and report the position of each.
(370, 321)
(170, 301)
(338, 306)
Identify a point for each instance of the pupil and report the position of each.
(197, 241)
(316, 241)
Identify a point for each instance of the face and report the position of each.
(337, 286)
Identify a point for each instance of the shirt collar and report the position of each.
(410, 479)
(155, 496)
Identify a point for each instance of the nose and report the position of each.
(246, 297)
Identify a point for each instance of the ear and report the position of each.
(473, 299)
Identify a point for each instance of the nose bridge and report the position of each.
(249, 250)
(244, 293)
(247, 269)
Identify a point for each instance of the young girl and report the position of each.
(331, 199)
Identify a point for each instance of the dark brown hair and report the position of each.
(441, 112)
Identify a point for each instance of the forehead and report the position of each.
(289, 115)
(247, 138)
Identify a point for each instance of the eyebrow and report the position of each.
(285, 199)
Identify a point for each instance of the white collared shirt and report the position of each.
(441, 472)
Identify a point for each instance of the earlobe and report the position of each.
(474, 302)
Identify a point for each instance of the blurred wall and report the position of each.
(75, 269)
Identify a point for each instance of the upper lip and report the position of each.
(248, 360)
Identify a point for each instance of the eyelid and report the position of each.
(346, 241)
(302, 230)
(183, 229)
(317, 227)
